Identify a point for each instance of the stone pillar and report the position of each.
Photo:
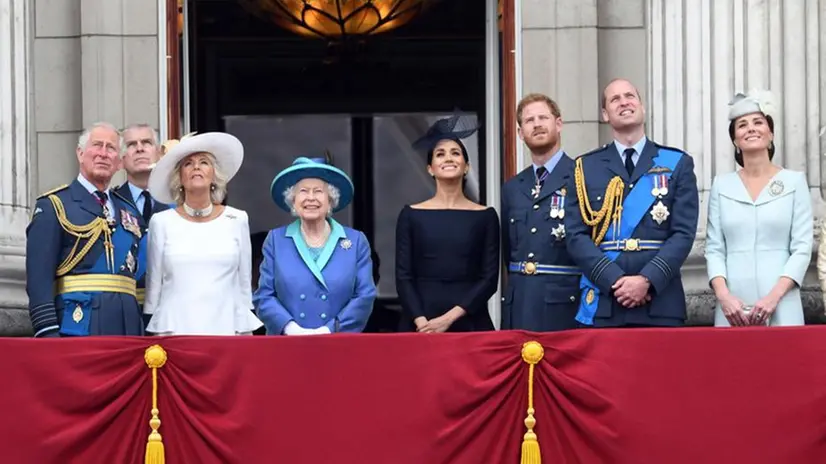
(14, 165)
(701, 52)
(560, 59)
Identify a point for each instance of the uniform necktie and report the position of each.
(147, 207)
(101, 198)
(541, 174)
(629, 161)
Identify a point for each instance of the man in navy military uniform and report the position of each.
(81, 249)
(631, 222)
(141, 150)
(542, 280)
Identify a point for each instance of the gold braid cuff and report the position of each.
(91, 232)
(532, 353)
(611, 211)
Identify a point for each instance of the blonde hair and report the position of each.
(217, 191)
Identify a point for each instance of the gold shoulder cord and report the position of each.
(611, 211)
(91, 231)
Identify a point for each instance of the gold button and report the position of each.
(599, 198)
(630, 185)
(533, 230)
(530, 255)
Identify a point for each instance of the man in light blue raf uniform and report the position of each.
(81, 249)
(632, 222)
(542, 281)
(140, 153)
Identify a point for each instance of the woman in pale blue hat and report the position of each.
(317, 275)
(759, 236)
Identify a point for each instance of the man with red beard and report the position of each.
(542, 280)
(632, 221)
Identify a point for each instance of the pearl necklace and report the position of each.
(198, 213)
(315, 242)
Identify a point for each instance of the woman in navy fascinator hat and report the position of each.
(447, 246)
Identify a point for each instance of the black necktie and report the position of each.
(540, 175)
(147, 207)
(101, 198)
(629, 161)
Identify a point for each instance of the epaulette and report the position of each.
(596, 150)
(54, 190)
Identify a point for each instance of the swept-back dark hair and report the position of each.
(738, 154)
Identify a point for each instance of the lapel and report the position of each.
(336, 234)
(118, 197)
(613, 161)
(731, 186)
(527, 180)
(126, 194)
(84, 199)
(646, 161)
(557, 178)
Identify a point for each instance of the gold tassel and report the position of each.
(155, 358)
(532, 353)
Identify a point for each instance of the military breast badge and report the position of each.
(776, 188)
(659, 212)
(130, 262)
(346, 244)
(558, 232)
(130, 223)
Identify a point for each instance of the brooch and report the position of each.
(659, 212)
(776, 188)
(346, 244)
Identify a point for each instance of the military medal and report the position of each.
(77, 314)
(557, 206)
(660, 185)
(130, 223)
(558, 232)
(776, 188)
(659, 212)
(538, 187)
(130, 262)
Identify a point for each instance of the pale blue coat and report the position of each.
(336, 291)
(753, 243)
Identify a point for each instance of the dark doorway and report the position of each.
(363, 100)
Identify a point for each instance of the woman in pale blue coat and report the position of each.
(317, 275)
(759, 238)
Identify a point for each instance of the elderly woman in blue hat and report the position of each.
(759, 236)
(317, 275)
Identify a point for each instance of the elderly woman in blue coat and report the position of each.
(317, 275)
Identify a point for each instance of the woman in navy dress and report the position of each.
(447, 247)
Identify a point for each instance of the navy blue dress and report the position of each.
(447, 258)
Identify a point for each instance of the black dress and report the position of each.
(447, 258)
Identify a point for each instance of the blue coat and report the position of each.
(157, 207)
(336, 291)
(70, 302)
(671, 238)
(538, 302)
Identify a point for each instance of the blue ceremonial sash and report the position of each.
(636, 204)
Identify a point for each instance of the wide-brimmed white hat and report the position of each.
(227, 150)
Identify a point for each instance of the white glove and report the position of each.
(323, 330)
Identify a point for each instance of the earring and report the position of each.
(212, 187)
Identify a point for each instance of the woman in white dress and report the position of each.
(198, 279)
(759, 237)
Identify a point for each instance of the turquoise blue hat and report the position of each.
(311, 168)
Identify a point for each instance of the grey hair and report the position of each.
(84, 137)
(332, 192)
(219, 182)
(140, 125)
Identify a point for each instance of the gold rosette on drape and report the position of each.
(155, 357)
(532, 353)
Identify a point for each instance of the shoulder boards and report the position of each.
(596, 150)
(54, 190)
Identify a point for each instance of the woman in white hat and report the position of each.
(317, 275)
(759, 237)
(199, 256)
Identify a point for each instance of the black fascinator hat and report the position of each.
(455, 127)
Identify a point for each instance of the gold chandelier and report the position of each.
(331, 19)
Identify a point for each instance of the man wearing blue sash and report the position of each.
(81, 249)
(632, 222)
(141, 151)
(542, 281)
